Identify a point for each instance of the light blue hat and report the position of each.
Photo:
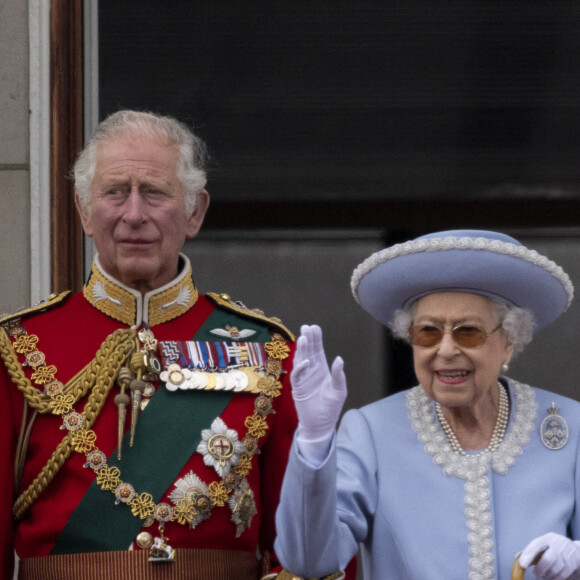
(477, 261)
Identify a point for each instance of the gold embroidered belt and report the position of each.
(134, 565)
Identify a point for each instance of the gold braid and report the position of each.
(98, 376)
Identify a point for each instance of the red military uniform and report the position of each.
(81, 508)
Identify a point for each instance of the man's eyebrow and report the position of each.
(157, 183)
(119, 179)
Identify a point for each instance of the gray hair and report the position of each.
(193, 157)
(518, 323)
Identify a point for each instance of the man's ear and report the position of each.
(195, 220)
(85, 216)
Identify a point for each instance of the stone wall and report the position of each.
(14, 156)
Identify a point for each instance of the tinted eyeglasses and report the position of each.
(466, 336)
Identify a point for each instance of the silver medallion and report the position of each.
(230, 381)
(554, 429)
(242, 381)
(220, 381)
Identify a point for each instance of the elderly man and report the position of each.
(146, 427)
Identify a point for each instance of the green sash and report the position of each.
(168, 433)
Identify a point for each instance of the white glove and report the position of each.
(318, 392)
(561, 557)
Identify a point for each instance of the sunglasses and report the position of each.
(466, 336)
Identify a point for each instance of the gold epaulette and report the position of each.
(225, 301)
(52, 301)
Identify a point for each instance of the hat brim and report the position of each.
(386, 282)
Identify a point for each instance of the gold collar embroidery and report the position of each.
(133, 308)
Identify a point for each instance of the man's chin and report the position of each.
(139, 274)
(142, 272)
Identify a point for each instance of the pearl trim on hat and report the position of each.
(474, 468)
(465, 243)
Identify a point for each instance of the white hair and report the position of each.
(518, 323)
(193, 157)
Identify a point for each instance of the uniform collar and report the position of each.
(131, 307)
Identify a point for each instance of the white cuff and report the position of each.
(314, 451)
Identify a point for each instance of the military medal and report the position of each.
(554, 429)
(218, 366)
(220, 447)
(199, 380)
(243, 506)
(176, 378)
(230, 381)
(191, 488)
(211, 381)
(149, 390)
(144, 540)
(220, 382)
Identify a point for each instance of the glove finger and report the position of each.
(317, 346)
(532, 550)
(338, 377)
(314, 371)
(301, 352)
(304, 337)
(314, 348)
(554, 572)
(558, 562)
(547, 564)
(308, 334)
(298, 377)
(559, 570)
(307, 342)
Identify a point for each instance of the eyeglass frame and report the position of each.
(444, 332)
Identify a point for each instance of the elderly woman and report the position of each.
(454, 477)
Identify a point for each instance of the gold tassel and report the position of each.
(124, 379)
(137, 389)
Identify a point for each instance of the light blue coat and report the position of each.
(410, 520)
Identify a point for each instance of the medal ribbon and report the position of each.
(211, 355)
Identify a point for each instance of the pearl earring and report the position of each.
(505, 367)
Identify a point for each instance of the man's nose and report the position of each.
(134, 207)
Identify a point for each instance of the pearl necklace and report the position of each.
(498, 431)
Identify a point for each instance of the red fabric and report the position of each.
(70, 335)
